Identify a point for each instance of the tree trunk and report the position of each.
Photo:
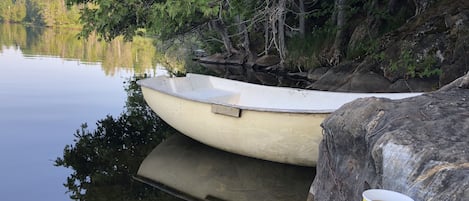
(281, 31)
(246, 41)
(301, 18)
(220, 27)
(339, 43)
(251, 57)
(267, 29)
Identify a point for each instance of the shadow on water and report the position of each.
(106, 160)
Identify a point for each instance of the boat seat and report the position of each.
(212, 95)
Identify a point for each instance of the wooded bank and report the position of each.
(39, 12)
(303, 34)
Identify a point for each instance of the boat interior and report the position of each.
(244, 95)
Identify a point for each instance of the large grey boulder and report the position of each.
(417, 146)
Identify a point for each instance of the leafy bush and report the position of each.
(412, 67)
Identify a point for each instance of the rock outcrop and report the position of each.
(418, 146)
(432, 45)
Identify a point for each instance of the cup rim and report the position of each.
(384, 195)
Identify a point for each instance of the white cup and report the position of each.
(384, 195)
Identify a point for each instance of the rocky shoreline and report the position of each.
(341, 78)
(429, 51)
(418, 146)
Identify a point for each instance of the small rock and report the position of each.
(464, 82)
(267, 60)
(366, 82)
(316, 73)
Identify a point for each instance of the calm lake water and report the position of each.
(50, 84)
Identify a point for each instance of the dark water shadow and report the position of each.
(104, 159)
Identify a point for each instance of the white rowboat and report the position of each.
(271, 123)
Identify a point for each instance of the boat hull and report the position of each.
(283, 137)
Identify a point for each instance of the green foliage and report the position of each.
(384, 20)
(379, 10)
(364, 47)
(379, 57)
(326, 9)
(245, 9)
(12, 11)
(56, 13)
(5, 7)
(412, 67)
(34, 14)
(211, 19)
(209, 42)
(39, 12)
(172, 55)
(113, 18)
(304, 52)
(103, 160)
(172, 18)
(18, 11)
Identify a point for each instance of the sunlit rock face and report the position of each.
(418, 146)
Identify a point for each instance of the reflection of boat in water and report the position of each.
(272, 123)
(194, 171)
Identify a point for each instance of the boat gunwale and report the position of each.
(259, 109)
(243, 108)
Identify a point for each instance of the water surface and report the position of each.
(51, 83)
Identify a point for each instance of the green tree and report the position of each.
(50, 13)
(104, 160)
(253, 28)
(34, 13)
(111, 18)
(18, 11)
(6, 7)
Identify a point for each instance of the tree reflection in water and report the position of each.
(105, 159)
